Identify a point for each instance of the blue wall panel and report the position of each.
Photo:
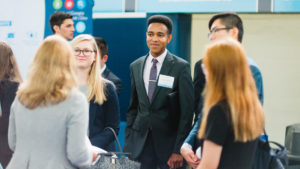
(108, 6)
(286, 5)
(191, 6)
(126, 42)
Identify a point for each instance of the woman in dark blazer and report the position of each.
(9, 82)
(101, 93)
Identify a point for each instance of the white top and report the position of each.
(102, 69)
(148, 66)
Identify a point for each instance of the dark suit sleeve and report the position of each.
(118, 84)
(193, 133)
(199, 84)
(112, 118)
(132, 110)
(114, 78)
(186, 101)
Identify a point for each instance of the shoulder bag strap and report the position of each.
(116, 137)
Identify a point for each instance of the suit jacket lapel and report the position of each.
(141, 79)
(165, 69)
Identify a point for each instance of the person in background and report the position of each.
(233, 118)
(100, 93)
(221, 25)
(62, 24)
(48, 122)
(161, 105)
(105, 72)
(9, 81)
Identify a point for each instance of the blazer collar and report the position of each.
(141, 77)
(105, 72)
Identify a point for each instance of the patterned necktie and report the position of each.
(152, 79)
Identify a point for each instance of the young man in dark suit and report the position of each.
(161, 105)
(105, 72)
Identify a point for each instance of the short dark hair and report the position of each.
(161, 19)
(58, 18)
(102, 46)
(231, 20)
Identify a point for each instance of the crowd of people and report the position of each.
(69, 99)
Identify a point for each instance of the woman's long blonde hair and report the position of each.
(229, 78)
(51, 76)
(95, 81)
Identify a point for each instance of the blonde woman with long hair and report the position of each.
(233, 117)
(49, 117)
(9, 81)
(100, 93)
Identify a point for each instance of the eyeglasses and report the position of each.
(85, 52)
(211, 32)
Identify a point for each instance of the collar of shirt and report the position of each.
(251, 62)
(160, 58)
(102, 69)
(148, 66)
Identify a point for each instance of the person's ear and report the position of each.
(169, 38)
(235, 32)
(56, 28)
(105, 57)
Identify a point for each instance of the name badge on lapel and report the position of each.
(165, 81)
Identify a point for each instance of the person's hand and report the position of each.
(190, 157)
(175, 161)
(95, 155)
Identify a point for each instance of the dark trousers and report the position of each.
(148, 157)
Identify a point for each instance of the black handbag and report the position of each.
(267, 157)
(115, 160)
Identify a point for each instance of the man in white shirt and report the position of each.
(62, 24)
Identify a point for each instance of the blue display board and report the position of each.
(196, 6)
(286, 5)
(109, 6)
(81, 10)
